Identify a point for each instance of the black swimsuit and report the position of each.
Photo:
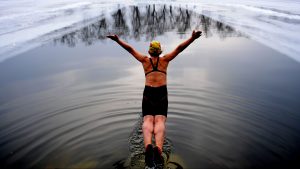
(155, 99)
(155, 68)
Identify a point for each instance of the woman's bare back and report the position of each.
(155, 78)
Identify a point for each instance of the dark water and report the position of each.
(76, 102)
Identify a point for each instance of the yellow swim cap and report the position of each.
(155, 48)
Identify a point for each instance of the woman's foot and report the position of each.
(158, 159)
(149, 156)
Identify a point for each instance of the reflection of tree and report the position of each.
(136, 22)
(68, 39)
(119, 25)
(206, 23)
(102, 29)
(183, 20)
(224, 30)
(148, 21)
(153, 22)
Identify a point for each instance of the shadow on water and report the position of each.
(148, 22)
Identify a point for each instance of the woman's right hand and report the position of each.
(113, 37)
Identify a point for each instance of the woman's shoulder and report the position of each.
(163, 58)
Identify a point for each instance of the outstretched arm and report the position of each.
(182, 46)
(140, 57)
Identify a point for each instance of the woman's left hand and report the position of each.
(196, 34)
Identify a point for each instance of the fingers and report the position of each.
(196, 31)
(200, 33)
(196, 34)
(113, 37)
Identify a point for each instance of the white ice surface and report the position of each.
(25, 24)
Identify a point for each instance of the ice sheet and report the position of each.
(25, 24)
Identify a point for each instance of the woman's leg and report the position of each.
(148, 129)
(159, 130)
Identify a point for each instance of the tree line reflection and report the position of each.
(148, 22)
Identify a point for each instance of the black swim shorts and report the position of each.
(155, 101)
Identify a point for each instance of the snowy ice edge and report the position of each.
(258, 23)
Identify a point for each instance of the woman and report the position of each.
(155, 97)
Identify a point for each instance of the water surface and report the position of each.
(75, 102)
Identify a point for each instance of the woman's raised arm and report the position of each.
(139, 56)
(182, 46)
